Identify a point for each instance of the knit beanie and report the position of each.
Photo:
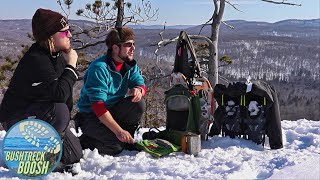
(45, 23)
(120, 35)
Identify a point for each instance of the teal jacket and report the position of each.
(103, 83)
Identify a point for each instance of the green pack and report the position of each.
(157, 147)
(183, 110)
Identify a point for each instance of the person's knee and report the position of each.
(63, 108)
(134, 116)
(61, 117)
(141, 106)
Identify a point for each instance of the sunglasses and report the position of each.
(128, 44)
(65, 33)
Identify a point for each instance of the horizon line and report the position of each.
(180, 24)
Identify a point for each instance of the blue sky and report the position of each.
(188, 12)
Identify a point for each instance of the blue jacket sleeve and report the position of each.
(136, 78)
(97, 83)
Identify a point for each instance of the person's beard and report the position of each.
(65, 48)
(125, 58)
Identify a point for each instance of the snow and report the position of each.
(220, 158)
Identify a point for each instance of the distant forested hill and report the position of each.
(285, 53)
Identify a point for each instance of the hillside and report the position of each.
(285, 53)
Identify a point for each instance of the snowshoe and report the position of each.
(254, 123)
(232, 121)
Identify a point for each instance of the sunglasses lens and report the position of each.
(128, 44)
(64, 33)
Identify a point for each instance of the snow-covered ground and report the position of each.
(220, 158)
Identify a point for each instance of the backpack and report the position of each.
(188, 101)
(183, 109)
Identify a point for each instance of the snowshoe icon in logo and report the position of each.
(29, 129)
(52, 146)
(32, 148)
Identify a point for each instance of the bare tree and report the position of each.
(214, 22)
(103, 16)
(282, 2)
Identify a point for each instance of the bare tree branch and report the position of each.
(88, 44)
(228, 25)
(234, 6)
(164, 28)
(144, 11)
(207, 23)
(165, 42)
(224, 79)
(282, 2)
(216, 7)
(68, 7)
(223, 65)
(104, 16)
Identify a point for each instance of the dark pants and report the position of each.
(57, 115)
(96, 135)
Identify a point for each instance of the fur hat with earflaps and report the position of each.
(45, 23)
(118, 36)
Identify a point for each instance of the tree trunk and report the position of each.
(213, 62)
(120, 6)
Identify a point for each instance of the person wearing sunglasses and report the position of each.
(111, 103)
(42, 83)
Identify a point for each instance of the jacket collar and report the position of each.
(46, 51)
(125, 67)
